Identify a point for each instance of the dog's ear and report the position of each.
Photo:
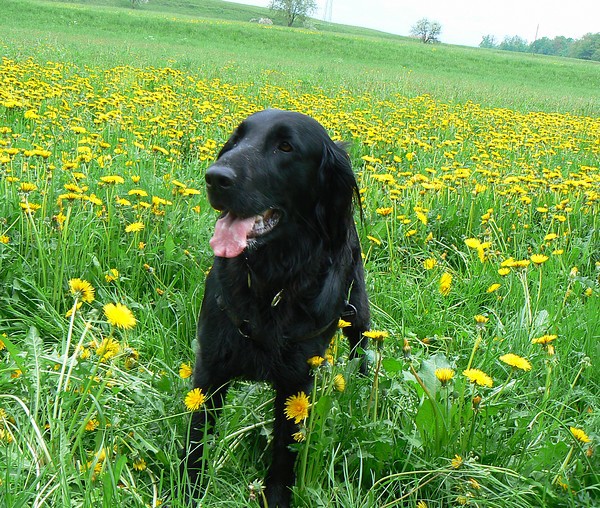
(337, 189)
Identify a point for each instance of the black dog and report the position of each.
(288, 266)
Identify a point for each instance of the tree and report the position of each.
(294, 10)
(136, 3)
(514, 43)
(488, 41)
(427, 31)
(586, 48)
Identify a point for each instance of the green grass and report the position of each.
(110, 34)
(149, 95)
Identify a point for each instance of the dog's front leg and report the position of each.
(203, 421)
(281, 476)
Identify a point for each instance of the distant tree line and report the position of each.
(586, 48)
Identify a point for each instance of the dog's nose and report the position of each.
(219, 177)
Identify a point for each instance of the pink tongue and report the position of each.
(230, 237)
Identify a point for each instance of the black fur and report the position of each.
(310, 263)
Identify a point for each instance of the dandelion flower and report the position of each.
(478, 377)
(429, 263)
(444, 375)
(456, 462)
(550, 236)
(27, 187)
(580, 435)
(480, 320)
(139, 464)
(445, 283)
(344, 324)
(185, 370)
(538, 259)
(135, 227)
(544, 339)
(296, 407)
(4, 239)
(194, 399)
(119, 315)
(494, 287)
(339, 383)
(112, 179)
(107, 349)
(315, 361)
(503, 271)
(384, 211)
(299, 436)
(82, 290)
(376, 335)
(516, 361)
(112, 275)
(91, 425)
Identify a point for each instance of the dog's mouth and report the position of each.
(233, 233)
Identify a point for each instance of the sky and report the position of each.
(467, 21)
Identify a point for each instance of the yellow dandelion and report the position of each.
(185, 370)
(91, 425)
(296, 407)
(580, 435)
(481, 320)
(376, 335)
(445, 283)
(194, 399)
(384, 211)
(299, 436)
(4, 239)
(421, 504)
(494, 287)
(107, 349)
(139, 464)
(135, 227)
(444, 375)
(550, 236)
(544, 339)
(69, 313)
(339, 383)
(478, 377)
(376, 241)
(112, 179)
(82, 290)
(119, 315)
(516, 361)
(456, 462)
(132, 357)
(344, 324)
(27, 187)
(429, 263)
(538, 259)
(315, 361)
(503, 271)
(112, 275)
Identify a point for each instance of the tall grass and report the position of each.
(480, 238)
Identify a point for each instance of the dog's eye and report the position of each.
(284, 146)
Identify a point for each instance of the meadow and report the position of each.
(480, 186)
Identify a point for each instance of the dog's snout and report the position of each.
(219, 177)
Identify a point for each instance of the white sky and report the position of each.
(467, 21)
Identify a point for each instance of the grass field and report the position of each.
(480, 184)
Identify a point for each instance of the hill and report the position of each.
(213, 34)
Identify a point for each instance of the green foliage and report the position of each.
(108, 118)
(586, 48)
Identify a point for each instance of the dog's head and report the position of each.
(277, 177)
